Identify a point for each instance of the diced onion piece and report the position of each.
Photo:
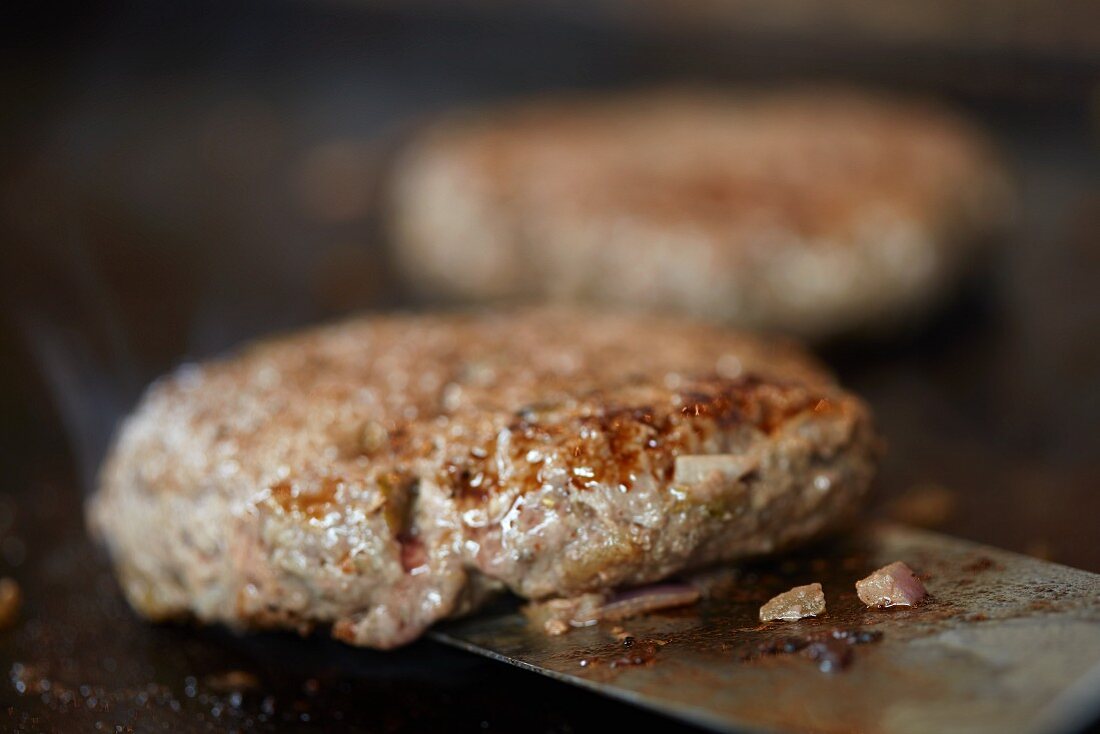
(894, 585)
(799, 602)
(648, 599)
(697, 468)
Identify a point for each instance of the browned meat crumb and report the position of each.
(555, 627)
(558, 616)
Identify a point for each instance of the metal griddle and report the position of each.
(154, 155)
(1005, 643)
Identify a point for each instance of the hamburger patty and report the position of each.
(808, 211)
(384, 473)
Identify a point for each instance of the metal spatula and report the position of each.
(1005, 643)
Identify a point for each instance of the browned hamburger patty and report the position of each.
(384, 473)
(808, 211)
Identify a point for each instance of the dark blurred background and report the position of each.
(177, 177)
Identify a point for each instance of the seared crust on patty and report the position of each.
(808, 211)
(383, 473)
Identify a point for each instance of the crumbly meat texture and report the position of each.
(811, 211)
(381, 474)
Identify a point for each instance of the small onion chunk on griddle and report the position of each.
(645, 599)
(799, 602)
(894, 585)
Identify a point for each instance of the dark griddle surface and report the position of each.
(159, 147)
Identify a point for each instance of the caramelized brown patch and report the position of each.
(312, 502)
(605, 443)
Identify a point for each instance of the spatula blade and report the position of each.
(1006, 643)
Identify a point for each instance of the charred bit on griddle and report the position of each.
(830, 649)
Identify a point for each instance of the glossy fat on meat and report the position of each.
(380, 474)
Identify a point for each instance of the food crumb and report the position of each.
(555, 627)
(11, 599)
(558, 616)
(798, 603)
(894, 585)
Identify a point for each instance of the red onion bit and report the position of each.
(645, 599)
(894, 585)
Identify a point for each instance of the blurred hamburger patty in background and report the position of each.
(813, 211)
